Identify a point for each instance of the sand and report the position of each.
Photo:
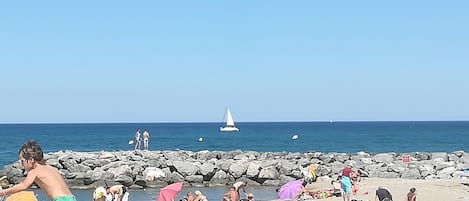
(427, 190)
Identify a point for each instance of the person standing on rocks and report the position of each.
(146, 138)
(138, 139)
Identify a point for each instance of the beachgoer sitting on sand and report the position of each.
(231, 195)
(117, 191)
(188, 197)
(199, 196)
(383, 195)
(304, 192)
(249, 197)
(411, 196)
(99, 194)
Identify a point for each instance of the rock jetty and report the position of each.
(147, 169)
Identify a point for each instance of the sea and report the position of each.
(326, 137)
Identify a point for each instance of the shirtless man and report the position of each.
(118, 190)
(240, 185)
(45, 176)
(146, 137)
(231, 195)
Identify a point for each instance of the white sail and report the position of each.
(229, 118)
(230, 126)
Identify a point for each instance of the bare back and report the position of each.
(50, 181)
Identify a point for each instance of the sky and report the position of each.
(188, 61)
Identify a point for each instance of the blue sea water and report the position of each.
(350, 137)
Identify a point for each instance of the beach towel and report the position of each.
(23, 195)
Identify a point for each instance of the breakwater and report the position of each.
(147, 169)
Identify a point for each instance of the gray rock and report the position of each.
(185, 168)
(441, 155)
(269, 173)
(208, 169)
(238, 169)
(198, 179)
(411, 174)
(384, 158)
(220, 177)
(253, 170)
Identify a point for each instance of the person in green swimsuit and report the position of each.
(45, 176)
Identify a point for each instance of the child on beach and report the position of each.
(45, 176)
(411, 196)
(117, 191)
(355, 177)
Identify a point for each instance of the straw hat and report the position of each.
(99, 193)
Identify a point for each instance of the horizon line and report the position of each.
(175, 122)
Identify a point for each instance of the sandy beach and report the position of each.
(427, 190)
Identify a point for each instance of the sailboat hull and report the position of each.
(228, 129)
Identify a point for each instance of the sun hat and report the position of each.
(99, 193)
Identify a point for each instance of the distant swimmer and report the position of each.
(146, 138)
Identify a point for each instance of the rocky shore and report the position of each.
(146, 169)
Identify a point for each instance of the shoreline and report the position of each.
(149, 169)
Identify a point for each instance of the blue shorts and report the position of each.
(346, 185)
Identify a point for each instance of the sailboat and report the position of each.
(230, 126)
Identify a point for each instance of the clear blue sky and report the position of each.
(187, 61)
